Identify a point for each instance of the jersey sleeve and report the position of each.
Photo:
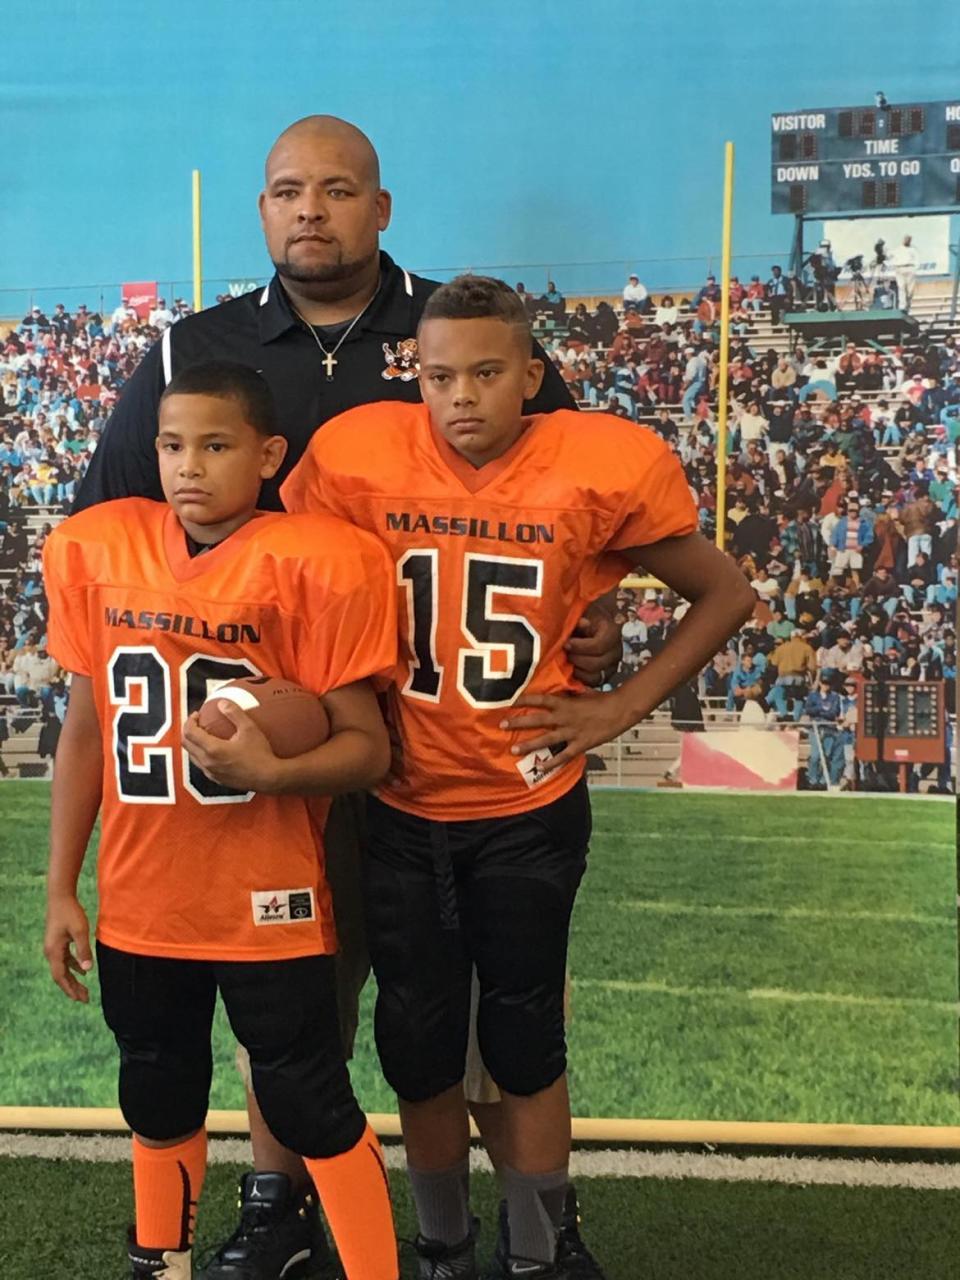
(657, 505)
(351, 632)
(308, 488)
(68, 632)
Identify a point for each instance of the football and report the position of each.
(292, 718)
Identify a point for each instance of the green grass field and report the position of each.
(70, 1220)
(749, 958)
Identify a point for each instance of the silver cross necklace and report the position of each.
(329, 361)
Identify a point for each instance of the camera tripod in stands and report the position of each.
(861, 290)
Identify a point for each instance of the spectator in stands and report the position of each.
(61, 324)
(784, 376)
(802, 542)
(822, 711)
(739, 321)
(695, 375)
(708, 292)
(706, 305)
(915, 389)
(651, 612)
(746, 684)
(756, 296)
(779, 295)
(767, 588)
(161, 317)
(753, 533)
(845, 654)
(752, 426)
(607, 324)
(34, 321)
(581, 328)
(943, 491)
(553, 302)
(667, 312)
(849, 714)
(919, 524)
(849, 367)
(740, 374)
(124, 317)
(665, 426)
(635, 295)
(904, 261)
(634, 638)
(529, 301)
(820, 385)
(779, 627)
(882, 588)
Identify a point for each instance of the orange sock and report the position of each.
(166, 1187)
(355, 1195)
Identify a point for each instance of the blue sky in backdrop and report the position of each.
(549, 134)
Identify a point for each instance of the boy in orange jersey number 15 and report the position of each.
(502, 529)
(210, 867)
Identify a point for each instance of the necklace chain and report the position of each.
(328, 361)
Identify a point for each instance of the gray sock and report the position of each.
(443, 1202)
(534, 1212)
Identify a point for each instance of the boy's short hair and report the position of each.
(228, 380)
(469, 297)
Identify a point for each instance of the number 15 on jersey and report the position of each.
(495, 653)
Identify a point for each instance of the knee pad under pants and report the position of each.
(496, 893)
(284, 1012)
(285, 1015)
(160, 1011)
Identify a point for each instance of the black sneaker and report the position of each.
(570, 1246)
(439, 1261)
(566, 1265)
(279, 1236)
(157, 1264)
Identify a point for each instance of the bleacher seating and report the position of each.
(73, 372)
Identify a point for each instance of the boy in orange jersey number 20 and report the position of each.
(501, 529)
(210, 867)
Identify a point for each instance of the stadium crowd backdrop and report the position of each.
(769, 957)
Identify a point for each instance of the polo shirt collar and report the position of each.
(390, 312)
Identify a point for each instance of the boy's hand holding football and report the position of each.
(245, 761)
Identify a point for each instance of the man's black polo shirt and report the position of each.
(260, 329)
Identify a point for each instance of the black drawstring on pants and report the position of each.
(443, 875)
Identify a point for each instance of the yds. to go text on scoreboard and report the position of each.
(851, 159)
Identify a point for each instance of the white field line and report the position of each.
(653, 987)
(781, 797)
(791, 1170)
(669, 908)
(739, 837)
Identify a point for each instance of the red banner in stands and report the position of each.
(746, 759)
(141, 295)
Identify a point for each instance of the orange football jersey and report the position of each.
(187, 867)
(495, 566)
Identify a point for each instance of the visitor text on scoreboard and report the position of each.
(851, 159)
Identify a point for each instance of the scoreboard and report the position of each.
(910, 718)
(862, 159)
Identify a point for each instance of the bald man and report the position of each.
(334, 328)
